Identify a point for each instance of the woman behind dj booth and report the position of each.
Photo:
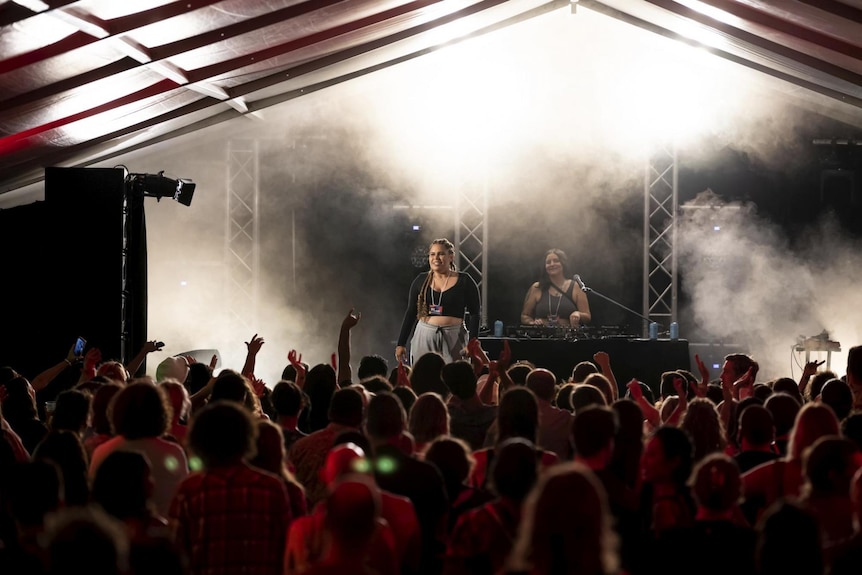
(545, 305)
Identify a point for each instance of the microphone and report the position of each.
(580, 282)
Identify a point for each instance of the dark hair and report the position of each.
(544, 280)
(740, 363)
(756, 425)
(346, 407)
(231, 385)
(788, 540)
(784, 409)
(140, 410)
(37, 485)
(647, 392)
(18, 405)
(514, 469)
(787, 385)
(837, 395)
(64, 448)
(101, 401)
(72, 410)
(593, 429)
(582, 370)
(677, 444)
(376, 383)
(120, 484)
(426, 374)
(584, 395)
(543, 383)
(320, 386)
(372, 365)
(518, 371)
(715, 482)
(222, 432)
(286, 398)
(563, 399)
(460, 378)
(518, 415)
(406, 395)
(199, 375)
(386, 417)
(854, 363)
(454, 458)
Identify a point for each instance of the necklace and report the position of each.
(552, 317)
(440, 301)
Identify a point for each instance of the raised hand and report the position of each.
(811, 367)
(351, 319)
(602, 358)
(505, 359)
(474, 348)
(403, 379)
(744, 383)
(296, 361)
(257, 385)
(213, 361)
(254, 344)
(635, 390)
(702, 369)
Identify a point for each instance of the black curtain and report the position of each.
(64, 262)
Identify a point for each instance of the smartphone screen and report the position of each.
(79, 346)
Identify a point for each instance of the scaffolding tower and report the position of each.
(471, 231)
(661, 204)
(242, 245)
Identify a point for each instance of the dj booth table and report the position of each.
(642, 359)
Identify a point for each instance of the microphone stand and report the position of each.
(586, 289)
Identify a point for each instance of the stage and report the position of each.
(642, 359)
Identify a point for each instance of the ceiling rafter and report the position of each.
(760, 42)
(23, 176)
(161, 87)
(790, 28)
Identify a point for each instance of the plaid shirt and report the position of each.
(232, 521)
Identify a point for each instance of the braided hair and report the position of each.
(421, 307)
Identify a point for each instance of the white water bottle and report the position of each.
(498, 328)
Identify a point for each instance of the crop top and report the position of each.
(461, 297)
(544, 305)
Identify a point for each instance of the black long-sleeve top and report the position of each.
(455, 301)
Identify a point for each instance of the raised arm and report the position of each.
(809, 370)
(345, 370)
(650, 413)
(252, 348)
(603, 360)
(135, 364)
(680, 384)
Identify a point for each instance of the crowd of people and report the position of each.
(475, 465)
(455, 463)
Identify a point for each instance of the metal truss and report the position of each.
(661, 204)
(471, 230)
(242, 241)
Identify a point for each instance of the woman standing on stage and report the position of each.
(436, 307)
(546, 305)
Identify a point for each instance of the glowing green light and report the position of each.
(171, 463)
(386, 465)
(195, 463)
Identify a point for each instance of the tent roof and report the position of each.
(82, 82)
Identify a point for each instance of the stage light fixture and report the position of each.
(160, 186)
